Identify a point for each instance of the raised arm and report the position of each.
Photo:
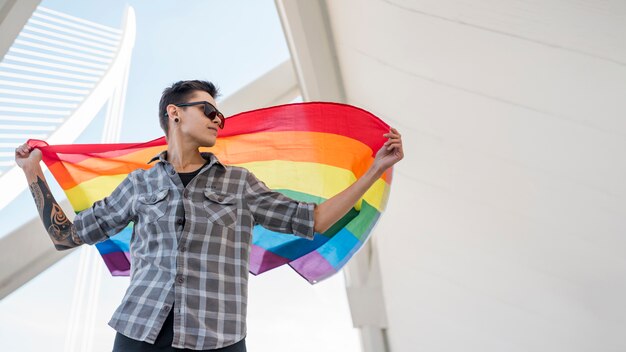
(61, 230)
(330, 211)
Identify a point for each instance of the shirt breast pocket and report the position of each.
(153, 205)
(221, 208)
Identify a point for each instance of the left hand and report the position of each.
(391, 152)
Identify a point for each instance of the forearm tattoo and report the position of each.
(59, 227)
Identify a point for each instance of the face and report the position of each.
(193, 126)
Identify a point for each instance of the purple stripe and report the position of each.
(313, 267)
(118, 263)
(262, 260)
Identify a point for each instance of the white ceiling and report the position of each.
(505, 227)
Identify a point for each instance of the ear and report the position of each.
(172, 111)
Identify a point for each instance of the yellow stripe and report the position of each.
(315, 179)
(85, 194)
(312, 178)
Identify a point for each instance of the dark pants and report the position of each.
(163, 342)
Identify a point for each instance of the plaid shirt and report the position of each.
(190, 247)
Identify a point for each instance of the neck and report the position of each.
(184, 156)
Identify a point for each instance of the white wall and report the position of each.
(505, 228)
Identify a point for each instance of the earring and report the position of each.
(176, 119)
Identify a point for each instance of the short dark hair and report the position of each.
(178, 93)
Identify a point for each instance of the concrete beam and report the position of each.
(278, 86)
(26, 252)
(13, 16)
(310, 39)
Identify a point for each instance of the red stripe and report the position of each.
(342, 119)
(75, 153)
(335, 118)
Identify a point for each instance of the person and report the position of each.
(193, 220)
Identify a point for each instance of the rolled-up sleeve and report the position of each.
(108, 216)
(277, 212)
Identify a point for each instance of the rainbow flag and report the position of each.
(307, 151)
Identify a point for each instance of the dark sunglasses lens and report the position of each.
(211, 112)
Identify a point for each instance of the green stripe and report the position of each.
(300, 196)
(364, 223)
(305, 197)
(357, 227)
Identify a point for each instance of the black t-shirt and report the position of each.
(186, 177)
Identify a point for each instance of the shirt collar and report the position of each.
(210, 157)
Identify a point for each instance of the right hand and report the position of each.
(26, 156)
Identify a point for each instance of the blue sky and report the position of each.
(227, 42)
(230, 43)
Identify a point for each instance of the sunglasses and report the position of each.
(210, 111)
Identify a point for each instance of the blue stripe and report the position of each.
(285, 245)
(117, 243)
(338, 247)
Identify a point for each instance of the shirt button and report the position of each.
(166, 308)
(186, 193)
(180, 279)
(183, 249)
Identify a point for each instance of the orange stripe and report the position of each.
(329, 149)
(70, 174)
